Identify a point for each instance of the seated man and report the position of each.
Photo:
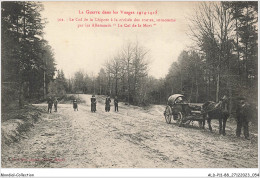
(179, 100)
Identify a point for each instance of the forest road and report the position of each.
(131, 138)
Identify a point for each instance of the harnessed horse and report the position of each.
(212, 110)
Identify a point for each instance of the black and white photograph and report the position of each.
(130, 84)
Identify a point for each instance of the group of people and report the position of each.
(55, 101)
(107, 104)
(50, 102)
(243, 111)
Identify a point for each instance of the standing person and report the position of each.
(55, 104)
(50, 103)
(108, 101)
(75, 105)
(116, 104)
(93, 104)
(243, 117)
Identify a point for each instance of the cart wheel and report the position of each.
(179, 119)
(168, 114)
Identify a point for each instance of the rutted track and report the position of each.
(133, 137)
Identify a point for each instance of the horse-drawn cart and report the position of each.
(180, 110)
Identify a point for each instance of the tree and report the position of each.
(115, 70)
(213, 29)
(58, 87)
(101, 81)
(109, 77)
(22, 49)
(79, 82)
(140, 65)
(186, 76)
(126, 73)
(127, 55)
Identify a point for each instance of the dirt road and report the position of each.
(131, 138)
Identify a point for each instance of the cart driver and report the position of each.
(179, 100)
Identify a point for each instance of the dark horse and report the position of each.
(212, 110)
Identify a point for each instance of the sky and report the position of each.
(88, 48)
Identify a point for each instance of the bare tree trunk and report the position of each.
(20, 70)
(21, 83)
(116, 87)
(181, 83)
(196, 83)
(128, 80)
(238, 55)
(44, 83)
(209, 89)
(21, 99)
(246, 55)
(108, 87)
(191, 92)
(218, 81)
(94, 86)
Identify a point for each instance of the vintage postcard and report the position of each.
(165, 84)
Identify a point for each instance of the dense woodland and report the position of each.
(222, 61)
(27, 59)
